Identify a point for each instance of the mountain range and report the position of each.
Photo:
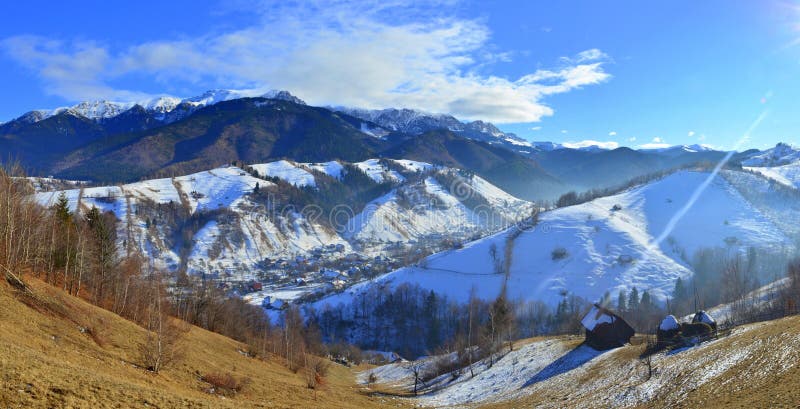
(113, 142)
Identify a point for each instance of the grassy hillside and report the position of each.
(47, 361)
(755, 365)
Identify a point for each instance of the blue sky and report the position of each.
(623, 72)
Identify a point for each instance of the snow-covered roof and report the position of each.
(669, 323)
(596, 316)
(704, 317)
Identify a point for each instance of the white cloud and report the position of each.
(612, 133)
(654, 146)
(632, 139)
(342, 52)
(657, 143)
(536, 128)
(588, 143)
(691, 134)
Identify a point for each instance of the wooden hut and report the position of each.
(605, 330)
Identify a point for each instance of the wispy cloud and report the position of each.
(590, 55)
(612, 133)
(340, 52)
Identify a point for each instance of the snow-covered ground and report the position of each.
(605, 249)
(333, 168)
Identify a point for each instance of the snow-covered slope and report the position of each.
(333, 168)
(788, 174)
(781, 154)
(288, 171)
(591, 248)
(233, 241)
(232, 233)
(427, 208)
(378, 171)
(781, 164)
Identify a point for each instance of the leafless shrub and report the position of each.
(316, 370)
(224, 384)
(162, 347)
(443, 364)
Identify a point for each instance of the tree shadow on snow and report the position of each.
(569, 361)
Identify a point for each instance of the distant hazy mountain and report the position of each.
(588, 169)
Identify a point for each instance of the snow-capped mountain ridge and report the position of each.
(161, 106)
(416, 122)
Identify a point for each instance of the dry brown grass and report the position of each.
(72, 354)
(739, 388)
(744, 385)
